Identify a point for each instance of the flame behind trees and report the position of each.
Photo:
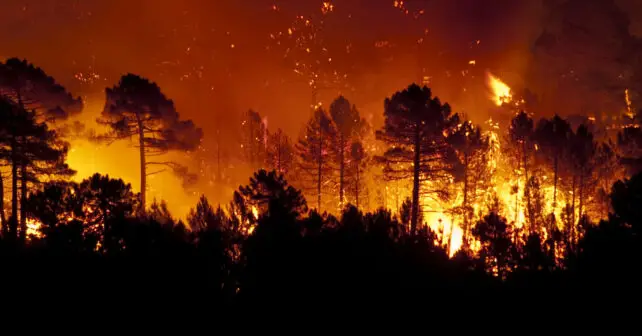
(253, 142)
(313, 151)
(136, 107)
(280, 152)
(38, 99)
(415, 130)
(32, 147)
(348, 129)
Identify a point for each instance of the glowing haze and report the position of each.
(217, 59)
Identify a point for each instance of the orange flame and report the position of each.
(500, 92)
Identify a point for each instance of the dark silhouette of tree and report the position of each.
(349, 126)
(521, 147)
(629, 147)
(313, 150)
(94, 206)
(415, 130)
(535, 205)
(203, 216)
(269, 191)
(471, 149)
(33, 151)
(608, 171)
(535, 256)
(106, 201)
(280, 152)
(626, 196)
(254, 140)
(553, 137)
(358, 164)
(32, 89)
(583, 153)
(159, 213)
(136, 107)
(497, 249)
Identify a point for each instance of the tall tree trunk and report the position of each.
(529, 206)
(580, 193)
(23, 201)
(465, 202)
(320, 168)
(341, 170)
(5, 228)
(13, 226)
(572, 238)
(278, 155)
(357, 185)
(554, 184)
(143, 165)
(414, 215)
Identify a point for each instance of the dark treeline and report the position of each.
(93, 243)
(100, 239)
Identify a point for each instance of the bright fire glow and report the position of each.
(500, 92)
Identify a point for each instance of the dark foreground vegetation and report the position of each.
(97, 249)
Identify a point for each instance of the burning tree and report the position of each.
(313, 151)
(32, 147)
(583, 150)
(270, 188)
(521, 149)
(95, 205)
(254, 138)
(471, 149)
(415, 129)
(358, 160)
(280, 152)
(136, 107)
(553, 137)
(349, 126)
(31, 89)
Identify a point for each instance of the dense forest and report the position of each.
(540, 205)
(501, 203)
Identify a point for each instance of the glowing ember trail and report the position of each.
(500, 92)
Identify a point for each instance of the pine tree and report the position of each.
(313, 151)
(280, 152)
(553, 138)
(254, 140)
(583, 150)
(31, 89)
(471, 148)
(415, 130)
(348, 125)
(358, 163)
(137, 108)
(521, 147)
(33, 151)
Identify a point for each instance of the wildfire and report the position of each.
(33, 228)
(500, 92)
(629, 105)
